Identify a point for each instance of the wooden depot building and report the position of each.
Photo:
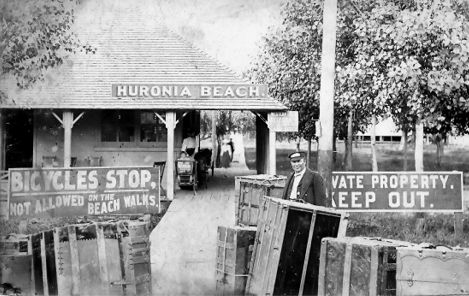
(129, 103)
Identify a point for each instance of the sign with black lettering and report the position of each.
(54, 192)
(283, 121)
(397, 191)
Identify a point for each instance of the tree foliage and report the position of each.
(408, 59)
(36, 35)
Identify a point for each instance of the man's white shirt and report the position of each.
(296, 181)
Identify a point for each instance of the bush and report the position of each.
(437, 229)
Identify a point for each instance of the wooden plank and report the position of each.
(103, 271)
(347, 270)
(322, 269)
(75, 261)
(267, 243)
(308, 250)
(374, 265)
(279, 238)
(30, 252)
(44, 265)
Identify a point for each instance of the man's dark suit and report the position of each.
(311, 188)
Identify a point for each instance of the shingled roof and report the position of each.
(132, 48)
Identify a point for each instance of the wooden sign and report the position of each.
(53, 192)
(194, 91)
(283, 121)
(397, 191)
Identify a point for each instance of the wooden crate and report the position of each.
(358, 266)
(16, 244)
(93, 259)
(16, 271)
(234, 250)
(440, 271)
(250, 191)
(287, 247)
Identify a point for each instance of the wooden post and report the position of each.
(75, 261)
(458, 224)
(67, 123)
(45, 281)
(170, 125)
(103, 271)
(326, 103)
(214, 140)
(272, 153)
(2, 140)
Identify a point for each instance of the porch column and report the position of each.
(170, 125)
(272, 153)
(2, 140)
(67, 123)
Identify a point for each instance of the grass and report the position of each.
(436, 229)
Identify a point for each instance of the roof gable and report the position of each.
(132, 48)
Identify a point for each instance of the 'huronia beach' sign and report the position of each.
(189, 91)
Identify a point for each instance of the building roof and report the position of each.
(132, 48)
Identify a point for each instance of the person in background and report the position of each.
(189, 144)
(304, 185)
(231, 144)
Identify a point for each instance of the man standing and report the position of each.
(304, 185)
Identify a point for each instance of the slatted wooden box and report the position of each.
(358, 266)
(92, 259)
(287, 247)
(249, 193)
(16, 262)
(234, 250)
(439, 271)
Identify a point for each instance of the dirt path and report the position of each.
(183, 245)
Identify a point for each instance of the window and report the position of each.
(132, 127)
(117, 126)
(151, 128)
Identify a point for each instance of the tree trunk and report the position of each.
(420, 224)
(404, 148)
(374, 161)
(419, 147)
(439, 150)
(308, 154)
(298, 141)
(403, 139)
(349, 143)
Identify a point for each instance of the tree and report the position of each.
(36, 35)
(423, 50)
(289, 64)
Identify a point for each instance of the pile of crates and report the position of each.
(280, 247)
(275, 243)
(100, 258)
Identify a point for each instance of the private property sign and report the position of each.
(397, 191)
(54, 192)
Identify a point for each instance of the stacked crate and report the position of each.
(15, 263)
(432, 271)
(106, 258)
(234, 249)
(250, 192)
(235, 244)
(358, 266)
(286, 252)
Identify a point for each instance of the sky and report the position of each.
(228, 30)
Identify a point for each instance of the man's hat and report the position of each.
(296, 155)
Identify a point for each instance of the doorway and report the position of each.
(19, 139)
